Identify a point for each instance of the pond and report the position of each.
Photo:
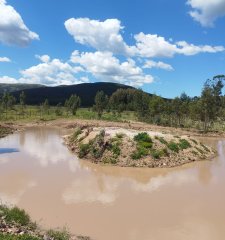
(38, 173)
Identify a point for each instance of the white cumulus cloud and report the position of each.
(6, 79)
(4, 59)
(13, 30)
(103, 36)
(43, 58)
(206, 11)
(161, 65)
(52, 72)
(106, 67)
(151, 46)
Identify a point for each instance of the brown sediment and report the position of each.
(116, 146)
(6, 129)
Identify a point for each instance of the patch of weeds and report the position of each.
(113, 161)
(184, 144)
(59, 234)
(173, 146)
(157, 154)
(84, 149)
(16, 237)
(176, 136)
(77, 132)
(139, 153)
(161, 139)
(116, 149)
(15, 215)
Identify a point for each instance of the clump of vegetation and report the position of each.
(142, 137)
(120, 135)
(194, 152)
(144, 144)
(59, 234)
(157, 154)
(76, 133)
(184, 144)
(139, 153)
(83, 150)
(173, 146)
(15, 215)
(16, 237)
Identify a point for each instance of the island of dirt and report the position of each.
(135, 148)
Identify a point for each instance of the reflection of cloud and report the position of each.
(14, 198)
(105, 189)
(46, 146)
(92, 189)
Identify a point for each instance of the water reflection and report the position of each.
(8, 150)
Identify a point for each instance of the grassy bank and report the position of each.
(35, 113)
(15, 224)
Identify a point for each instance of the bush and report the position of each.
(83, 150)
(142, 137)
(116, 149)
(139, 153)
(173, 146)
(184, 144)
(157, 154)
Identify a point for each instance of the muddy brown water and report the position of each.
(110, 203)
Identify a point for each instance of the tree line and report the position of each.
(183, 111)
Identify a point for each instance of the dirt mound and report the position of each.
(132, 148)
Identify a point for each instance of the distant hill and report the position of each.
(4, 87)
(55, 95)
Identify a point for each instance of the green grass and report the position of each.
(14, 237)
(76, 133)
(59, 234)
(33, 113)
(15, 215)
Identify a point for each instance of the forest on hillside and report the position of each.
(203, 112)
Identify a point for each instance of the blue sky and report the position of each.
(164, 47)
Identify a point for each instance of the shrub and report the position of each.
(184, 144)
(83, 150)
(120, 135)
(157, 154)
(142, 137)
(139, 153)
(116, 149)
(173, 146)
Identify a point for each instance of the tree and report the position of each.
(58, 110)
(72, 104)
(101, 102)
(211, 100)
